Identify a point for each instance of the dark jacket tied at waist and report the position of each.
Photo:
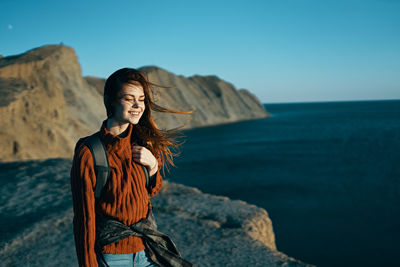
(162, 251)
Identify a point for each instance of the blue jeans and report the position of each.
(139, 259)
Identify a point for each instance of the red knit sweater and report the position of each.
(124, 196)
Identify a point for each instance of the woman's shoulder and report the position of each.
(82, 150)
(82, 161)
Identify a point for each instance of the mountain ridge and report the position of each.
(47, 105)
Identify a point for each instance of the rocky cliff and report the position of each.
(46, 104)
(215, 101)
(208, 230)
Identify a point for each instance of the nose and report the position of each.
(135, 103)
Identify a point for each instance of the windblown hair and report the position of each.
(158, 141)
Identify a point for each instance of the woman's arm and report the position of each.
(84, 225)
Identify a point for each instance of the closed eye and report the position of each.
(131, 99)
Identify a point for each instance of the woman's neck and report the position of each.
(115, 127)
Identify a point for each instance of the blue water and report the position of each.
(327, 173)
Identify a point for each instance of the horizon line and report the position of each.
(330, 101)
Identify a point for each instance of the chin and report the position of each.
(134, 121)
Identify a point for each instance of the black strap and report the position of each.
(100, 159)
(101, 164)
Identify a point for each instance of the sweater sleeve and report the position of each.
(157, 178)
(82, 184)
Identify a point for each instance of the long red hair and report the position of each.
(158, 141)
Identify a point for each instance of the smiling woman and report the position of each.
(129, 107)
(132, 142)
(128, 91)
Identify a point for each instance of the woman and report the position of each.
(131, 139)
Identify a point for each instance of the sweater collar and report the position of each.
(110, 139)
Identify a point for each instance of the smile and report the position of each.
(134, 113)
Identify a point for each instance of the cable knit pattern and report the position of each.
(124, 196)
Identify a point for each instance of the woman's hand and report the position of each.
(144, 156)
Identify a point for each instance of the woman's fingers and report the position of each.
(142, 155)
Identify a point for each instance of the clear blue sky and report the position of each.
(281, 50)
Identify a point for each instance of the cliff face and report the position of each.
(214, 100)
(46, 104)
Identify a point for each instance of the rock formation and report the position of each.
(208, 230)
(217, 231)
(46, 104)
(214, 100)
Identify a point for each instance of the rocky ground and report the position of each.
(36, 216)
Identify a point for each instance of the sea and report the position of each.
(327, 173)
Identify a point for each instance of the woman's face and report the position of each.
(130, 104)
